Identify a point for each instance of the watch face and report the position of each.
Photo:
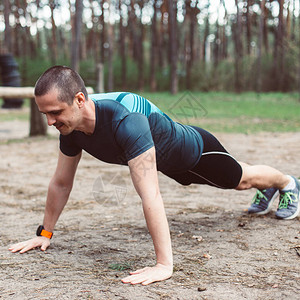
(39, 230)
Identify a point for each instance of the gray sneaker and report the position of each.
(262, 201)
(289, 207)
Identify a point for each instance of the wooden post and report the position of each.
(38, 123)
(100, 78)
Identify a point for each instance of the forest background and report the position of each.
(159, 45)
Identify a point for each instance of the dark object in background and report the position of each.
(10, 77)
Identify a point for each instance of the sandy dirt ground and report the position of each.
(220, 252)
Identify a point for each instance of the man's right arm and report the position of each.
(58, 194)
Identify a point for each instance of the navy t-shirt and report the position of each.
(127, 125)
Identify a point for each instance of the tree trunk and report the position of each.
(280, 44)
(103, 36)
(122, 49)
(53, 43)
(133, 28)
(288, 22)
(224, 37)
(17, 32)
(7, 33)
(206, 34)
(83, 44)
(153, 55)
(186, 47)
(141, 50)
(100, 78)
(173, 45)
(266, 32)
(110, 37)
(248, 22)
(293, 35)
(162, 44)
(91, 41)
(191, 18)
(76, 35)
(216, 48)
(259, 48)
(238, 50)
(298, 62)
(38, 35)
(29, 43)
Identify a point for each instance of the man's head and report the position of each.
(60, 94)
(64, 80)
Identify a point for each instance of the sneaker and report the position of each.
(262, 201)
(289, 207)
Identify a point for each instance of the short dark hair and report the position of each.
(67, 82)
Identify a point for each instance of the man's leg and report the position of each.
(218, 168)
(261, 177)
(271, 182)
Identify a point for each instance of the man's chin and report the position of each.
(64, 131)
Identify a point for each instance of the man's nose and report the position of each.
(50, 120)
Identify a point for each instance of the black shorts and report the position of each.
(216, 166)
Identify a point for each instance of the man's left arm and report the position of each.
(144, 177)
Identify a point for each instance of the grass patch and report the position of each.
(217, 111)
(228, 112)
(15, 114)
(27, 139)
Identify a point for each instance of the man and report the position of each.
(124, 128)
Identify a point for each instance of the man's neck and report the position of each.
(88, 118)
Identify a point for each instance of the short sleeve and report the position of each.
(133, 135)
(67, 145)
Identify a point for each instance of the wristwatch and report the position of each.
(42, 232)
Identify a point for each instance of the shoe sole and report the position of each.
(295, 214)
(264, 212)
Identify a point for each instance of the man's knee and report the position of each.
(246, 181)
(244, 185)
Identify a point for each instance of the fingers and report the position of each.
(135, 279)
(17, 247)
(148, 275)
(44, 247)
(28, 247)
(23, 247)
(136, 276)
(144, 279)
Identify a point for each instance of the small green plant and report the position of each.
(120, 266)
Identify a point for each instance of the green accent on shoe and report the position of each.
(259, 196)
(262, 201)
(286, 198)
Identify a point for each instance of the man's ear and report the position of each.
(80, 99)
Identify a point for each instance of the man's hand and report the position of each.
(148, 275)
(39, 241)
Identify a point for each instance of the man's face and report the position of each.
(59, 114)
